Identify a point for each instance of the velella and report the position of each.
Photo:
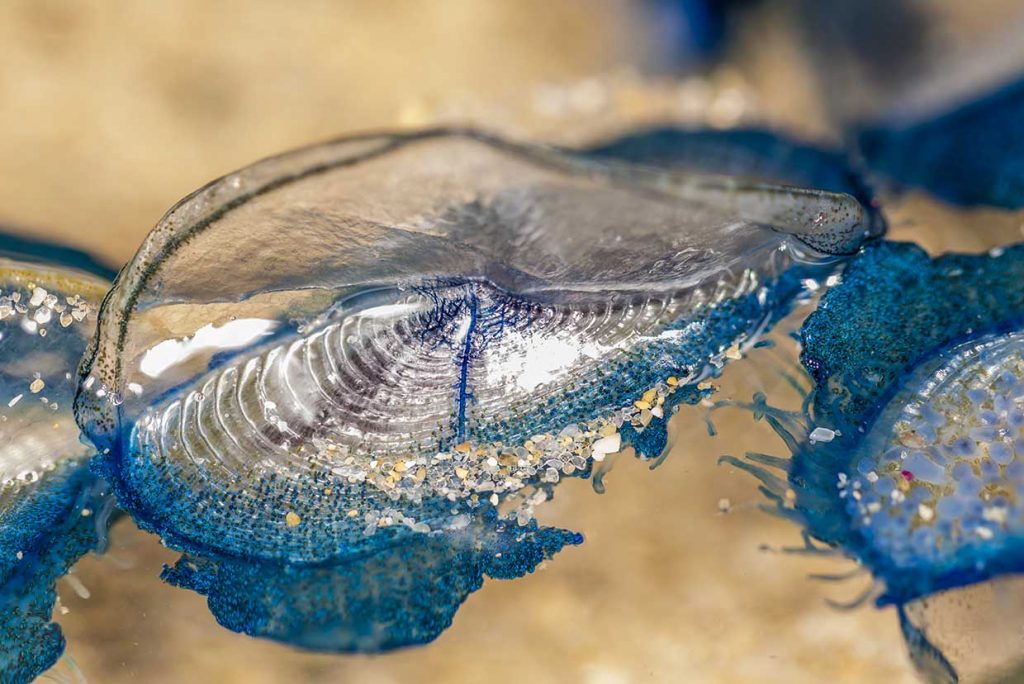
(53, 510)
(339, 380)
(907, 454)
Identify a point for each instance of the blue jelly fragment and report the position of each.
(970, 155)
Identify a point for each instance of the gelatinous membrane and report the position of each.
(909, 456)
(344, 359)
(52, 509)
(753, 153)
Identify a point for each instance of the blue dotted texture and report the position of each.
(402, 591)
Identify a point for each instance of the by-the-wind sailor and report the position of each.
(345, 360)
(52, 509)
(911, 457)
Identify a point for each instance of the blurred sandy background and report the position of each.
(109, 112)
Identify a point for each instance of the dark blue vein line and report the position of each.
(467, 352)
